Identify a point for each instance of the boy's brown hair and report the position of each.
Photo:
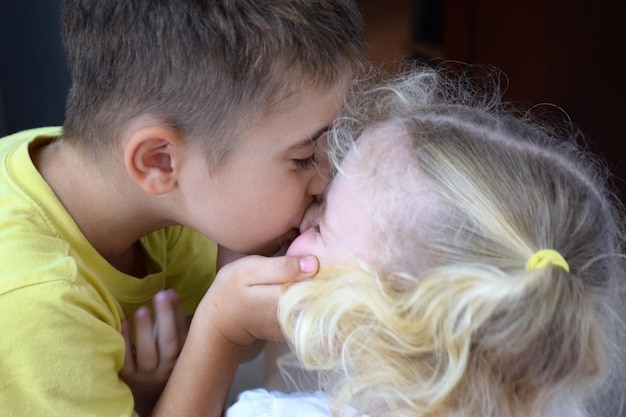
(207, 68)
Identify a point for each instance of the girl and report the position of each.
(471, 262)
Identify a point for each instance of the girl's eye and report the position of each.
(316, 228)
(306, 163)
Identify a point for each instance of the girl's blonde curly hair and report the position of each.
(445, 320)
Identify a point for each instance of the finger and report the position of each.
(129, 357)
(259, 270)
(168, 322)
(146, 357)
(295, 268)
(308, 267)
(182, 323)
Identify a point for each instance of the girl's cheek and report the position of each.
(303, 244)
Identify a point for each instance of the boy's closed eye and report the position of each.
(316, 142)
(306, 163)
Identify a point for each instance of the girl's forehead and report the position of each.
(379, 151)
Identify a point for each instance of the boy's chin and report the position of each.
(279, 247)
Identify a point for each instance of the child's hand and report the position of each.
(241, 303)
(149, 363)
(226, 256)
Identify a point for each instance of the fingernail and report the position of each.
(308, 264)
(160, 297)
(142, 311)
(164, 295)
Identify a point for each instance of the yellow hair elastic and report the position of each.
(546, 257)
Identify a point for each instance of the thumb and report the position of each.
(308, 266)
(294, 268)
(280, 270)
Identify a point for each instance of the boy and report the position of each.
(186, 120)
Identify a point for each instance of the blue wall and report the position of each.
(33, 75)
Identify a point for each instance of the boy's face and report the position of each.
(257, 198)
(339, 230)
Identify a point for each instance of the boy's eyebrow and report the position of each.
(311, 139)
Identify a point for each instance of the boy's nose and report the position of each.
(322, 176)
(318, 184)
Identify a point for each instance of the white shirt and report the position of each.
(263, 403)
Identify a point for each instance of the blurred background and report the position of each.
(565, 52)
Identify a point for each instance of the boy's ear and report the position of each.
(150, 158)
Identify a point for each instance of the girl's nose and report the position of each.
(311, 215)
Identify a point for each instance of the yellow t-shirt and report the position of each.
(62, 304)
